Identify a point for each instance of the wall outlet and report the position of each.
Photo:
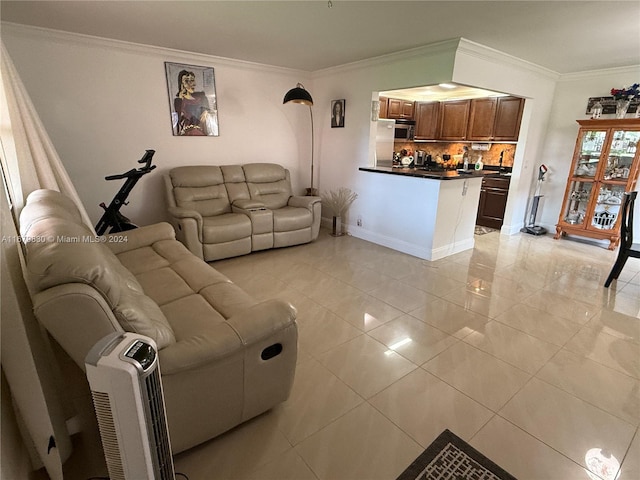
(359, 221)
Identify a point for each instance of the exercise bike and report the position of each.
(112, 219)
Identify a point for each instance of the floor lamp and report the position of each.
(301, 96)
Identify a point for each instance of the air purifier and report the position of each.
(124, 378)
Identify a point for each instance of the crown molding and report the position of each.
(167, 54)
(477, 50)
(606, 72)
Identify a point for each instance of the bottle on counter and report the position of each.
(479, 163)
(465, 159)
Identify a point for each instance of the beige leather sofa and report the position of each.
(225, 211)
(224, 357)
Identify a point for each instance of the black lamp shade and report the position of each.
(298, 95)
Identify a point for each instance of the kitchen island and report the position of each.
(430, 215)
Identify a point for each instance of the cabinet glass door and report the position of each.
(607, 207)
(578, 201)
(590, 151)
(621, 153)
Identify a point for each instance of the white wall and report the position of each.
(487, 68)
(343, 150)
(569, 105)
(104, 102)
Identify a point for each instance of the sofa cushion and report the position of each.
(68, 252)
(200, 188)
(225, 228)
(236, 183)
(268, 183)
(289, 219)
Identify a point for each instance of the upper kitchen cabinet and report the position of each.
(495, 119)
(482, 116)
(454, 117)
(397, 108)
(384, 104)
(427, 120)
(508, 116)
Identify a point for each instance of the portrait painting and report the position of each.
(337, 113)
(192, 100)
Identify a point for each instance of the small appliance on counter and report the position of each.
(419, 157)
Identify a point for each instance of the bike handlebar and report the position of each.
(146, 159)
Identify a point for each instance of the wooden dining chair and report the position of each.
(627, 247)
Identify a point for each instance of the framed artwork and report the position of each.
(192, 100)
(337, 113)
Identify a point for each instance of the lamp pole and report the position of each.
(302, 96)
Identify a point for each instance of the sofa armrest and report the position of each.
(140, 237)
(262, 320)
(76, 316)
(179, 212)
(304, 202)
(248, 204)
(223, 340)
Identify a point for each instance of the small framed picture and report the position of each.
(192, 100)
(337, 113)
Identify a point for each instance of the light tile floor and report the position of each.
(515, 346)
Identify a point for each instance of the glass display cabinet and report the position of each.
(605, 165)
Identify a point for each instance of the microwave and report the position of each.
(404, 129)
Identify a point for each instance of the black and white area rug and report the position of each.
(480, 230)
(451, 458)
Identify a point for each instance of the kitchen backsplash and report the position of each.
(489, 157)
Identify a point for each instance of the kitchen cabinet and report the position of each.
(495, 119)
(506, 126)
(384, 104)
(482, 115)
(397, 108)
(454, 117)
(493, 201)
(605, 164)
(427, 120)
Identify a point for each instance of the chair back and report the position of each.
(626, 228)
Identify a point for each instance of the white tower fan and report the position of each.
(124, 377)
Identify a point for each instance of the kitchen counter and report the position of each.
(436, 175)
(419, 212)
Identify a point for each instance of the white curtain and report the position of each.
(29, 162)
(29, 158)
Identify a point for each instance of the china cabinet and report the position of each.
(605, 165)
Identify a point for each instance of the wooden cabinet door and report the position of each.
(493, 202)
(454, 116)
(384, 104)
(426, 115)
(482, 115)
(394, 108)
(407, 109)
(398, 108)
(508, 116)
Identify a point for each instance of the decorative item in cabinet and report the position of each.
(605, 165)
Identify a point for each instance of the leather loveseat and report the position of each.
(224, 357)
(230, 210)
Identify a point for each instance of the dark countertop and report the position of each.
(435, 175)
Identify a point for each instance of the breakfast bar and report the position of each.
(428, 214)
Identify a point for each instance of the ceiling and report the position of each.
(311, 35)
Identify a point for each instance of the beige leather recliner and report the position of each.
(225, 211)
(224, 357)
